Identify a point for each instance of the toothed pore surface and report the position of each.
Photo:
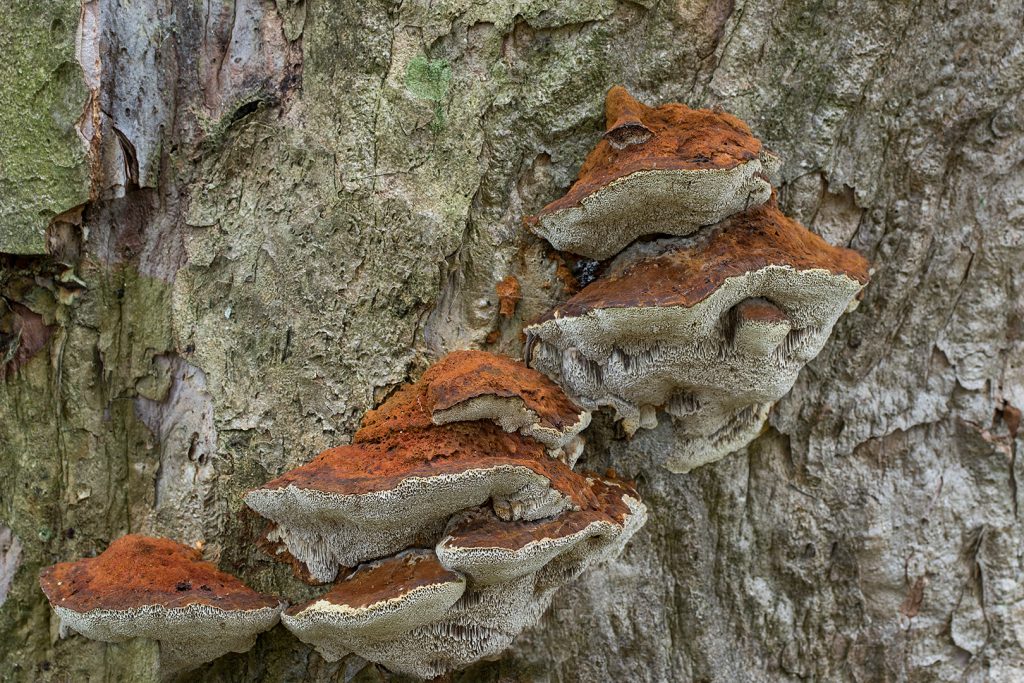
(657, 201)
(189, 636)
(328, 530)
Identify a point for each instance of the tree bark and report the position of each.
(229, 228)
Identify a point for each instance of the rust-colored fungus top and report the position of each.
(426, 453)
(389, 579)
(690, 271)
(677, 139)
(135, 571)
(461, 376)
(760, 310)
(510, 292)
(624, 119)
(483, 529)
(405, 410)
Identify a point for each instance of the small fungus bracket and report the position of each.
(467, 386)
(670, 170)
(625, 120)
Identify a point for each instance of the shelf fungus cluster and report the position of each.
(426, 612)
(448, 525)
(449, 522)
(718, 300)
(142, 587)
(456, 514)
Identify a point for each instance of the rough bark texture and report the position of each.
(229, 228)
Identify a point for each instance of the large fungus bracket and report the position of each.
(711, 317)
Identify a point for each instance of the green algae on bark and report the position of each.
(43, 163)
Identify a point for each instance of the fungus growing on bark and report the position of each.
(371, 499)
(491, 551)
(713, 328)
(476, 385)
(142, 587)
(668, 170)
(510, 292)
(379, 602)
(416, 613)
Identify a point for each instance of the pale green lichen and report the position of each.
(429, 79)
(43, 166)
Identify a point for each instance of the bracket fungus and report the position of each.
(142, 587)
(373, 498)
(376, 602)
(426, 613)
(492, 551)
(475, 461)
(712, 327)
(669, 170)
(475, 385)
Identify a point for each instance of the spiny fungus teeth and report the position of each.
(142, 587)
(426, 613)
(668, 170)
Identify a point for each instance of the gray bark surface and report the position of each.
(228, 229)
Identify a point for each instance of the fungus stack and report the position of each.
(428, 612)
(710, 315)
(451, 520)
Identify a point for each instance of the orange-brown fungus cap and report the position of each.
(509, 294)
(680, 139)
(389, 579)
(459, 377)
(624, 119)
(446, 449)
(685, 275)
(483, 529)
(136, 571)
(375, 611)
(668, 170)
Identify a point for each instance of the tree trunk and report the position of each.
(229, 228)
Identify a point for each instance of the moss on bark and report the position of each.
(43, 162)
